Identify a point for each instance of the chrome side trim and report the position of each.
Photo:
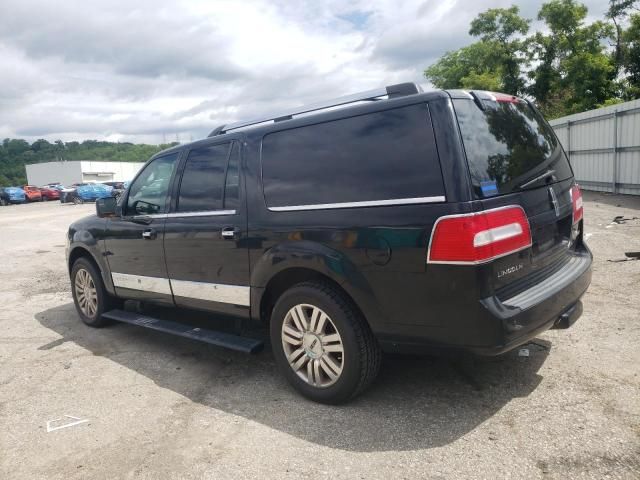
(213, 292)
(138, 282)
(208, 213)
(373, 203)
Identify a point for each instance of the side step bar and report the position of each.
(213, 337)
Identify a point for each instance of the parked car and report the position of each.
(92, 191)
(49, 193)
(33, 193)
(419, 222)
(85, 192)
(68, 194)
(118, 188)
(10, 195)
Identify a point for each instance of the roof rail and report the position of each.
(392, 91)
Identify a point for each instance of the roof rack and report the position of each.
(392, 91)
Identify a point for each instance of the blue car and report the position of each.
(92, 192)
(12, 195)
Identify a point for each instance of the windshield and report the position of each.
(508, 145)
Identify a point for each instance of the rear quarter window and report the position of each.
(384, 155)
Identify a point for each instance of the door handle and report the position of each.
(228, 232)
(149, 234)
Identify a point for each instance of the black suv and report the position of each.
(393, 220)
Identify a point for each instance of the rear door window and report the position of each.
(508, 145)
(387, 155)
(210, 180)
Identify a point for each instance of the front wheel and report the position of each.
(89, 295)
(77, 201)
(321, 343)
(3, 202)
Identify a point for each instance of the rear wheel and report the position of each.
(89, 295)
(322, 344)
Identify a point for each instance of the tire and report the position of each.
(77, 201)
(358, 364)
(3, 202)
(103, 301)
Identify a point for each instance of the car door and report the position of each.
(205, 233)
(133, 240)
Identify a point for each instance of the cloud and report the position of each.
(147, 71)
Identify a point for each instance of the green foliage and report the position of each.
(570, 66)
(493, 63)
(459, 68)
(16, 153)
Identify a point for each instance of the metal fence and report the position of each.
(604, 147)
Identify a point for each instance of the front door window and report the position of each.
(148, 193)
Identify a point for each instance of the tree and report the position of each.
(499, 29)
(631, 60)
(573, 71)
(492, 63)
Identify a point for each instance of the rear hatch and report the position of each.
(515, 158)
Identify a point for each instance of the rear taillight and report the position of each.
(479, 237)
(576, 200)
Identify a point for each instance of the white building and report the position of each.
(70, 172)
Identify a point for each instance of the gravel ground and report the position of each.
(161, 407)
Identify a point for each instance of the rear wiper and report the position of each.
(539, 177)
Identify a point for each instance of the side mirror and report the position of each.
(106, 207)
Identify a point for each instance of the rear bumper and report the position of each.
(502, 325)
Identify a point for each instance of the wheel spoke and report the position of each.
(310, 377)
(287, 337)
(333, 338)
(300, 362)
(314, 318)
(328, 369)
(296, 321)
(335, 348)
(295, 354)
(316, 370)
(290, 331)
(321, 323)
(302, 317)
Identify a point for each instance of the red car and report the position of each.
(32, 193)
(49, 193)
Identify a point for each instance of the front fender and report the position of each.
(86, 237)
(321, 259)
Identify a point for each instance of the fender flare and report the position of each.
(322, 260)
(83, 240)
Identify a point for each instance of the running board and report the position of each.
(213, 337)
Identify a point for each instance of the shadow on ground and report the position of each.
(416, 403)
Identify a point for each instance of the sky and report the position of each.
(160, 71)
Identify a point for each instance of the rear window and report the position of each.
(508, 145)
(388, 155)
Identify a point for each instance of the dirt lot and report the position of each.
(161, 407)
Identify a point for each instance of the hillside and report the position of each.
(16, 153)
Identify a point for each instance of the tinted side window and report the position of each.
(379, 156)
(148, 193)
(232, 182)
(203, 179)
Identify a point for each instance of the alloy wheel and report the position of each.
(313, 346)
(86, 293)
